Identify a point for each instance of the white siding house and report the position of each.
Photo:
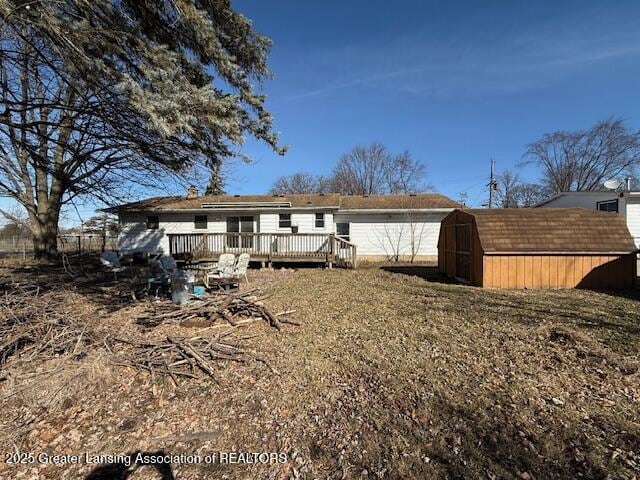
(625, 203)
(396, 233)
(381, 227)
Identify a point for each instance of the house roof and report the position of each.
(590, 193)
(552, 230)
(397, 202)
(329, 200)
(184, 203)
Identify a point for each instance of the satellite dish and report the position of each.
(613, 184)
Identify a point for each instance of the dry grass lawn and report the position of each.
(390, 376)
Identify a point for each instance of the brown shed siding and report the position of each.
(559, 271)
(558, 266)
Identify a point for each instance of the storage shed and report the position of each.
(537, 248)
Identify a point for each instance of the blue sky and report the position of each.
(455, 83)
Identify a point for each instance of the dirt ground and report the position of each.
(393, 374)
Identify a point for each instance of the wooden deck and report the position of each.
(268, 247)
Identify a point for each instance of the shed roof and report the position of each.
(329, 200)
(552, 230)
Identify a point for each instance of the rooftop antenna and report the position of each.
(613, 184)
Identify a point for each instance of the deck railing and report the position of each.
(345, 253)
(268, 247)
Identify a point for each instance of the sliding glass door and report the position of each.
(240, 225)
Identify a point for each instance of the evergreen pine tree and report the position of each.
(216, 181)
(98, 94)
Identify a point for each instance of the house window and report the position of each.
(342, 231)
(153, 222)
(284, 220)
(200, 222)
(608, 206)
(319, 220)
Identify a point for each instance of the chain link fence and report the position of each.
(16, 246)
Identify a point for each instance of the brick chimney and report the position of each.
(192, 192)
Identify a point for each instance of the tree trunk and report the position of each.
(45, 234)
(45, 243)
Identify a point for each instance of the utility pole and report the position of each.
(493, 184)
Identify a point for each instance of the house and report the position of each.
(537, 248)
(626, 203)
(328, 228)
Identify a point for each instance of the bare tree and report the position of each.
(584, 160)
(392, 241)
(300, 183)
(16, 223)
(507, 189)
(371, 170)
(405, 237)
(530, 194)
(365, 170)
(417, 228)
(513, 193)
(404, 175)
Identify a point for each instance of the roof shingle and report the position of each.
(359, 202)
(393, 202)
(552, 230)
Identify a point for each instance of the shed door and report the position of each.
(463, 251)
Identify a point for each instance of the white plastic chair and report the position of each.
(224, 268)
(111, 261)
(241, 267)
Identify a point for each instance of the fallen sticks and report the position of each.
(33, 325)
(224, 306)
(185, 357)
(200, 355)
(36, 325)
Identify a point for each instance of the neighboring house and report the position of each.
(625, 203)
(301, 227)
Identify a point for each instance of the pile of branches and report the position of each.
(35, 324)
(227, 307)
(186, 357)
(198, 356)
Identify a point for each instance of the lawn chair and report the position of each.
(111, 262)
(224, 268)
(162, 268)
(241, 267)
(167, 264)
